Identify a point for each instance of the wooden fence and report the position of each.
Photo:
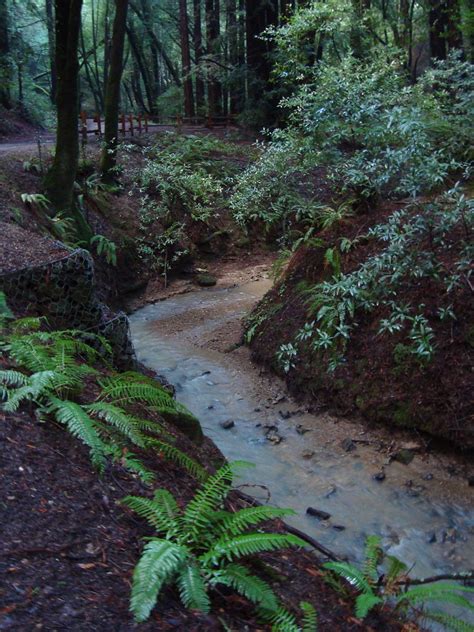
(142, 123)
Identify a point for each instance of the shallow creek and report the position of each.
(423, 511)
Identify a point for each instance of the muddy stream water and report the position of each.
(422, 510)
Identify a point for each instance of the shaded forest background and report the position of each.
(213, 57)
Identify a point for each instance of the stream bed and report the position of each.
(422, 510)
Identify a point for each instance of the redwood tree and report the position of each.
(112, 90)
(59, 181)
(186, 59)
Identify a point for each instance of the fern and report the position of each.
(192, 588)
(449, 622)
(389, 586)
(160, 560)
(244, 545)
(198, 514)
(310, 617)
(372, 558)
(236, 523)
(82, 426)
(204, 547)
(177, 456)
(253, 588)
(160, 512)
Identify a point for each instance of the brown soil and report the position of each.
(68, 548)
(20, 248)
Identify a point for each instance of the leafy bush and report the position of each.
(182, 183)
(393, 586)
(374, 133)
(199, 546)
(417, 243)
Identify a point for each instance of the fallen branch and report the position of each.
(464, 576)
(293, 530)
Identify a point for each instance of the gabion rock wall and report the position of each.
(64, 292)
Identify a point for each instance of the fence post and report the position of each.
(130, 120)
(124, 127)
(146, 122)
(83, 128)
(139, 119)
(179, 124)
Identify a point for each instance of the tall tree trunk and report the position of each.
(5, 61)
(214, 90)
(112, 91)
(444, 22)
(259, 16)
(186, 59)
(59, 181)
(197, 44)
(233, 55)
(52, 58)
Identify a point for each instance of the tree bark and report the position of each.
(59, 181)
(214, 90)
(444, 22)
(52, 58)
(112, 91)
(197, 44)
(5, 61)
(186, 60)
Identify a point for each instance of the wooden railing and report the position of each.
(142, 123)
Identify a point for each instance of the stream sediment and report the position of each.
(304, 457)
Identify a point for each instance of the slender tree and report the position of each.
(112, 91)
(59, 181)
(52, 58)
(186, 59)
(197, 45)
(5, 61)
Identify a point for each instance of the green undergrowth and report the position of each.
(67, 376)
(183, 187)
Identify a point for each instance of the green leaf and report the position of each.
(351, 574)
(310, 617)
(82, 426)
(192, 589)
(158, 563)
(236, 523)
(364, 603)
(249, 544)
(253, 588)
(160, 512)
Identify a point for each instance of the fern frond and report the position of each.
(442, 592)
(395, 569)
(364, 604)
(11, 378)
(117, 417)
(159, 561)
(80, 425)
(37, 385)
(236, 523)
(253, 588)
(207, 500)
(372, 558)
(192, 589)
(310, 617)
(177, 456)
(134, 464)
(249, 544)
(280, 619)
(160, 512)
(449, 622)
(351, 574)
(28, 324)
